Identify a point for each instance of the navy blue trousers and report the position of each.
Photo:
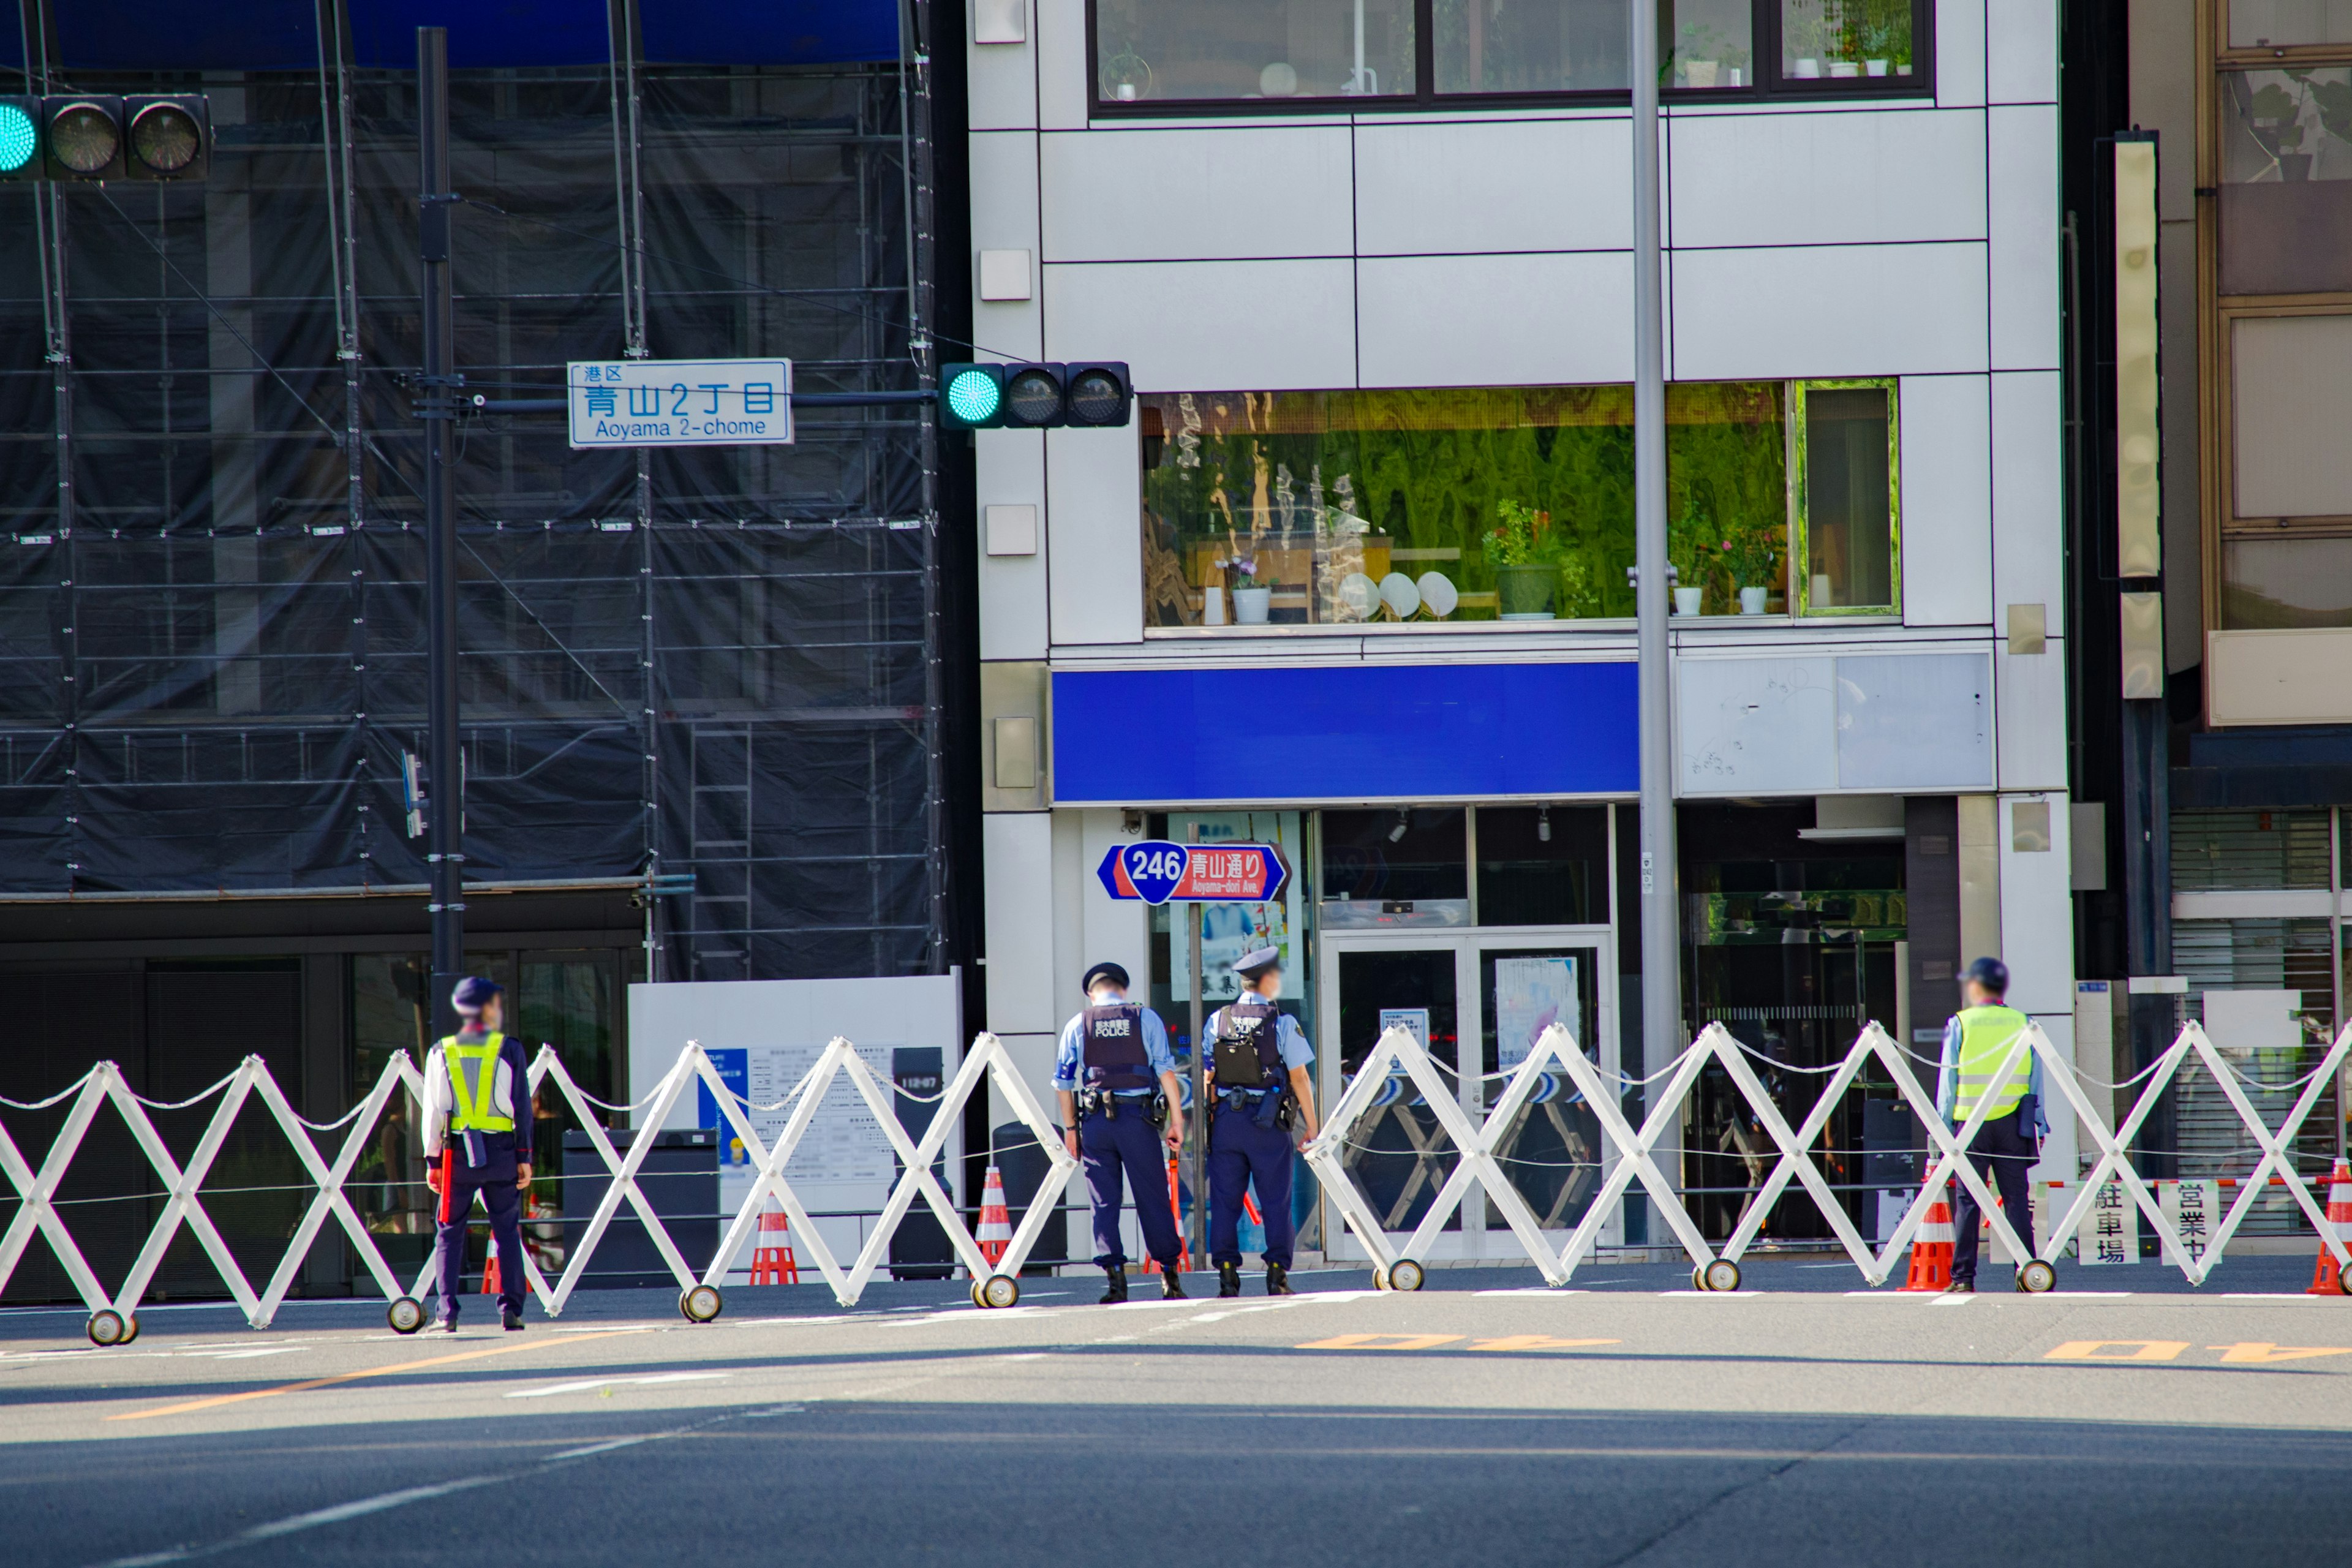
(1241, 1152)
(2003, 1156)
(1128, 1144)
(496, 1183)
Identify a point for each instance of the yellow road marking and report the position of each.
(185, 1406)
(2263, 1353)
(1381, 1342)
(2117, 1350)
(1536, 1342)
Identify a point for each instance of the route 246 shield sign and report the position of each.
(1156, 871)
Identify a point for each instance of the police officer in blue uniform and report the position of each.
(1261, 1106)
(1110, 1055)
(477, 1138)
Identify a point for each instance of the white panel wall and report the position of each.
(1492, 186)
(2060, 1154)
(2021, 162)
(1095, 564)
(2037, 914)
(1001, 79)
(1871, 309)
(2030, 716)
(1004, 218)
(1959, 53)
(1208, 326)
(1069, 917)
(1116, 931)
(1483, 320)
(2028, 486)
(2021, 51)
(1064, 72)
(1946, 501)
(1791, 179)
(1016, 848)
(1010, 470)
(1245, 191)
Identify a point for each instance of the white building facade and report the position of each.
(1354, 580)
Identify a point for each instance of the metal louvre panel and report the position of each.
(2213, 849)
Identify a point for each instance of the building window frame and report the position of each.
(1799, 588)
(1767, 82)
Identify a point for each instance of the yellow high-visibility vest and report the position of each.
(1986, 1035)
(473, 1078)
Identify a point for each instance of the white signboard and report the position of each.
(2110, 1228)
(680, 402)
(1532, 995)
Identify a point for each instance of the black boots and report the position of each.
(1277, 1281)
(1117, 1274)
(1171, 1284)
(1229, 1280)
(512, 1318)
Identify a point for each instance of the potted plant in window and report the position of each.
(1751, 554)
(1253, 593)
(1524, 581)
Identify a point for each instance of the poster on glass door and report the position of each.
(1532, 995)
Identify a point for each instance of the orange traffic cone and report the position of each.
(2326, 1280)
(1931, 1250)
(490, 1276)
(1175, 1212)
(995, 1220)
(772, 1262)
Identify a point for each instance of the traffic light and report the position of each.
(972, 396)
(84, 133)
(20, 138)
(1042, 396)
(169, 136)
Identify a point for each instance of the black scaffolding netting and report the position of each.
(705, 668)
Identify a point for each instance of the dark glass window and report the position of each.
(1395, 856)
(1543, 865)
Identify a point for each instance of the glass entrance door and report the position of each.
(1478, 1001)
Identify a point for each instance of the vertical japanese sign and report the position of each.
(680, 402)
(2110, 1230)
(2188, 1208)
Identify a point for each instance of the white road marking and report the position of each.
(296, 1523)
(596, 1449)
(1958, 1300)
(588, 1383)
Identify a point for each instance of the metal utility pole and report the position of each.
(1661, 1034)
(445, 822)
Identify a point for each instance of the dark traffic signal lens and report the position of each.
(1033, 397)
(1097, 396)
(84, 138)
(165, 138)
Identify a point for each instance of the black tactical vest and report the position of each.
(1250, 1027)
(1114, 1054)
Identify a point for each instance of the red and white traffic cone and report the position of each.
(1931, 1250)
(2326, 1280)
(772, 1262)
(995, 1219)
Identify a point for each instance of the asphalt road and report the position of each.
(1628, 1420)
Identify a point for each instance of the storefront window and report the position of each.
(1862, 41)
(1530, 46)
(2286, 181)
(1543, 865)
(1235, 50)
(1708, 45)
(1381, 509)
(1845, 435)
(2277, 24)
(1395, 867)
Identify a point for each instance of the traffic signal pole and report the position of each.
(444, 819)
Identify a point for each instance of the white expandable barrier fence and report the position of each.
(1629, 1155)
(114, 1317)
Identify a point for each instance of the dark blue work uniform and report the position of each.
(1111, 1059)
(1248, 1144)
(493, 1176)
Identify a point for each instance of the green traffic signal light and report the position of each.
(974, 396)
(18, 139)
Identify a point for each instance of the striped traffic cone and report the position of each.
(1931, 1250)
(995, 1220)
(2326, 1279)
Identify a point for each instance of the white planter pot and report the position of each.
(1687, 600)
(1805, 69)
(1751, 601)
(1700, 73)
(1874, 67)
(1251, 605)
(1212, 605)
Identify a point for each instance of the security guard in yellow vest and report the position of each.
(475, 1081)
(2005, 1147)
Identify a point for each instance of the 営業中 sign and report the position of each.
(680, 402)
(1156, 871)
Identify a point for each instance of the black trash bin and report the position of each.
(680, 1178)
(920, 1250)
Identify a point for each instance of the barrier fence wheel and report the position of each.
(1405, 1273)
(1721, 1275)
(133, 1332)
(976, 1302)
(1698, 1277)
(2036, 1277)
(406, 1314)
(999, 1291)
(108, 1327)
(701, 1303)
(1379, 1277)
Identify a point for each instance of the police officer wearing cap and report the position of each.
(477, 1090)
(1104, 1071)
(1261, 1106)
(2009, 1142)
